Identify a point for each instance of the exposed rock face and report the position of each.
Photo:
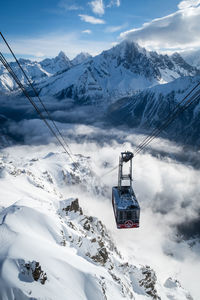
(73, 206)
(92, 241)
(31, 271)
(149, 282)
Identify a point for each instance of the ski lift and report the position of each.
(125, 205)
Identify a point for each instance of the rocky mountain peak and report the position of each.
(61, 55)
(24, 61)
(81, 57)
(121, 71)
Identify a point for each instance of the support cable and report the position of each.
(36, 93)
(168, 120)
(155, 130)
(12, 73)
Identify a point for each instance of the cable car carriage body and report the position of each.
(125, 205)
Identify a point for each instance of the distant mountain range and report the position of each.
(135, 86)
(38, 71)
(121, 71)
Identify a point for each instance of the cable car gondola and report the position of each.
(125, 205)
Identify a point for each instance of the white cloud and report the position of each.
(91, 19)
(97, 7)
(111, 29)
(179, 30)
(160, 184)
(88, 31)
(74, 7)
(39, 54)
(118, 2)
(188, 3)
(67, 6)
(114, 3)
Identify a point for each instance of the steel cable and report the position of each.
(12, 73)
(169, 119)
(178, 106)
(35, 91)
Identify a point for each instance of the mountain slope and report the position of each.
(57, 64)
(51, 250)
(80, 58)
(120, 71)
(150, 108)
(33, 69)
(36, 71)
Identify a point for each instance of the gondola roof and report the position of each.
(125, 198)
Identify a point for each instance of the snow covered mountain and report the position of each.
(121, 71)
(127, 79)
(50, 249)
(38, 71)
(150, 108)
(33, 69)
(55, 65)
(83, 56)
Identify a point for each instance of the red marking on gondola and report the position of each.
(129, 224)
(135, 225)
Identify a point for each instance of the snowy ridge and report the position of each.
(121, 71)
(51, 250)
(82, 57)
(57, 64)
(36, 71)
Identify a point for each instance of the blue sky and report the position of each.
(39, 29)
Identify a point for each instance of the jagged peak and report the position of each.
(125, 46)
(131, 45)
(79, 58)
(83, 54)
(62, 55)
(176, 55)
(24, 61)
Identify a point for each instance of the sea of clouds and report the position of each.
(166, 183)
